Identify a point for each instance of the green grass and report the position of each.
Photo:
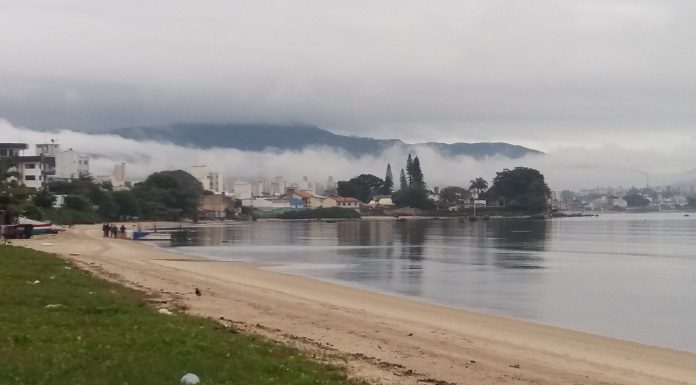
(107, 334)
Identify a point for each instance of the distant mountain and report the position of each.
(260, 137)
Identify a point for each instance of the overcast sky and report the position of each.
(541, 73)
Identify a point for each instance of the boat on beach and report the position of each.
(151, 236)
(39, 227)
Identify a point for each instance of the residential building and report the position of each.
(314, 201)
(278, 186)
(118, 177)
(242, 190)
(213, 206)
(70, 164)
(10, 150)
(347, 202)
(32, 171)
(210, 180)
(381, 201)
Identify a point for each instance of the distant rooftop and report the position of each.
(339, 198)
(13, 146)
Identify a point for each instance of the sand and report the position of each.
(381, 338)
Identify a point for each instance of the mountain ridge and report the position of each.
(262, 137)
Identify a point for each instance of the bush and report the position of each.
(77, 202)
(321, 212)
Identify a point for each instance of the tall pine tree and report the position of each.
(417, 174)
(409, 169)
(403, 182)
(388, 181)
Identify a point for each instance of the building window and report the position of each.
(30, 177)
(30, 165)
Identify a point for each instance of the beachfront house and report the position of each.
(347, 202)
(313, 201)
(381, 201)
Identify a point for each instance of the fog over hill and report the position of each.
(564, 167)
(262, 137)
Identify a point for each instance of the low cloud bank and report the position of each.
(564, 167)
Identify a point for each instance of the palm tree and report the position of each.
(478, 186)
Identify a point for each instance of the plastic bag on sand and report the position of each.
(190, 379)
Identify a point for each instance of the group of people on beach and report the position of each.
(111, 230)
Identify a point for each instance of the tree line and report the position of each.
(521, 189)
(164, 195)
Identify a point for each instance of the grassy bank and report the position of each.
(96, 332)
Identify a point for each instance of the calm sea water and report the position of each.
(630, 276)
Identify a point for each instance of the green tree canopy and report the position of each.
(412, 192)
(44, 199)
(453, 195)
(522, 188)
(126, 204)
(12, 194)
(636, 200)
(413, 197)
(403, 182)
(388, 184)
(417, 174)
(692, 202)
(362, 187)
(478, 186)
(169, 195)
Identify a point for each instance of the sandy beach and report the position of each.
(381, 338)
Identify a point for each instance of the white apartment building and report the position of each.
(243, 190)
(33, 170)
(71, 164)
(211, 181)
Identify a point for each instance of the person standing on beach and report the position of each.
(114, 231)
(105, 229)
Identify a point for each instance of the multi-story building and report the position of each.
(70, 164)
(12, 150)
(243, 190)
(211, 181)
(33, 171)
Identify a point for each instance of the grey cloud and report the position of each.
(523, 71)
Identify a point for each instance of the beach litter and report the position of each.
(190, 379)
(74, 254)
(165, 311)
(34, 283)
(47, 244)
(53, 306)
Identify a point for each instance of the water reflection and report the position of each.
(613, 275)
(518, 244)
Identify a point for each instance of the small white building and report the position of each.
(347, 202)
(619, 203)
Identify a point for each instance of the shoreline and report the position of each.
(384, 338)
